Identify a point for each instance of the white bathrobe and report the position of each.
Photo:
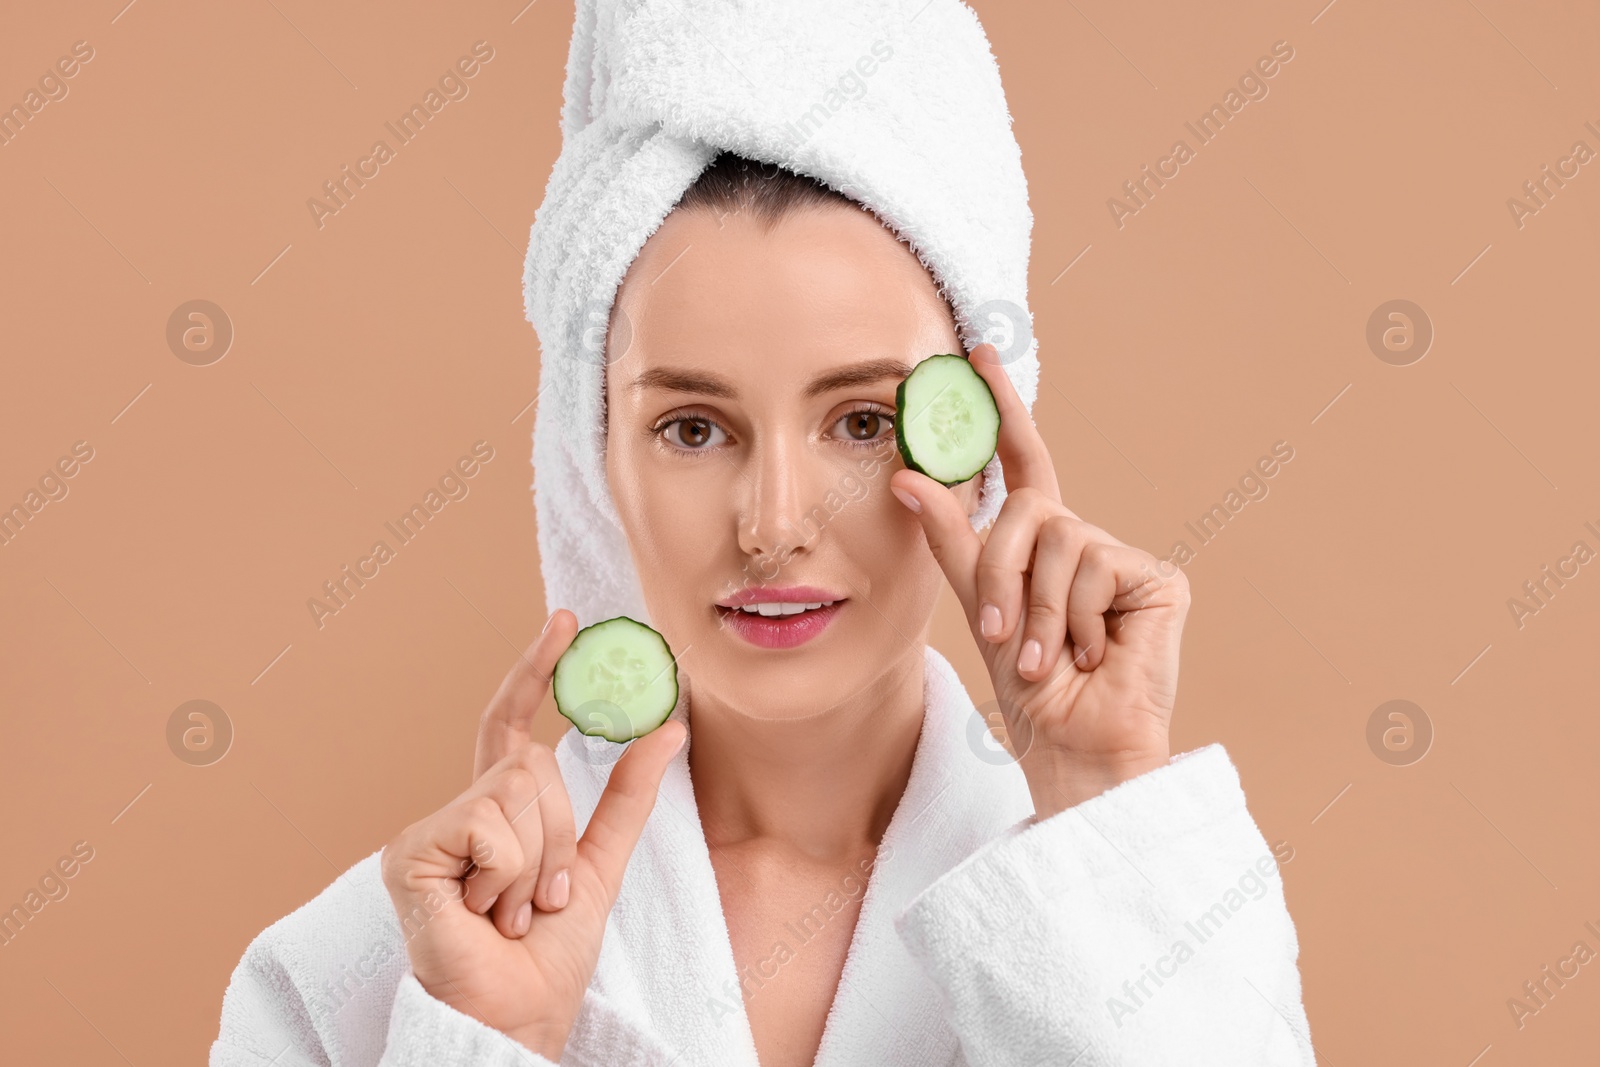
(1146, 926)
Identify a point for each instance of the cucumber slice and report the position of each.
(947, 424)
(617, 680)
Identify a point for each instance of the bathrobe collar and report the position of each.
(666, 976)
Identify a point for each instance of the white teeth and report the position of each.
(770, 609)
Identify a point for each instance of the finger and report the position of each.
(626, 803)
(505, 725)
(1061, 544)
(1024, 457)
(535, 799)
(947, 529)
(471, 844)
(560, 844)
(1102, 571)
(514, 791)
(1004, 560)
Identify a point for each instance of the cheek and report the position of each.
(667, 515)
(679, 534)
(886, 541)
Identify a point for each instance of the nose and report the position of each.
(776, 522)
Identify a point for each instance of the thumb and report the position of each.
(626, 803)
(951, 539)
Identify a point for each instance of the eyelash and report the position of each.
(692, 415)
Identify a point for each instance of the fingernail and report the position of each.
(989, 619)
(524, 919)
(547, 623)
(1032, 653)
(906, 498)
(559, 888)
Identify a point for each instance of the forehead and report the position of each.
(824, 289)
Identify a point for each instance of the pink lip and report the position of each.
(780, 631)
(774, 594)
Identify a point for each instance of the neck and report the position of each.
(824, 786)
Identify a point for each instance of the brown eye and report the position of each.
(690, 433)
(864, 425)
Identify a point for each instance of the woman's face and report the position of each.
(750, 443)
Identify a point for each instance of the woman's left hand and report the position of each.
(1080, 632)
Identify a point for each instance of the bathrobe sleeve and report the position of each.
(1146, 925)
(265, 1021)
(425, 1031)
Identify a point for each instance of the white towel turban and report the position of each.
(897, 106)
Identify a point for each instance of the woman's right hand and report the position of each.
(502, 907)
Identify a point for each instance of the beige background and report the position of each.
(1228, 314)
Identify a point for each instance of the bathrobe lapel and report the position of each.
(667, 981)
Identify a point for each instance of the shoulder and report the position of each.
(322, 977)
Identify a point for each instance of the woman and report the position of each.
(838, 868)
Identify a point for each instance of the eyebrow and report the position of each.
(706, 383)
